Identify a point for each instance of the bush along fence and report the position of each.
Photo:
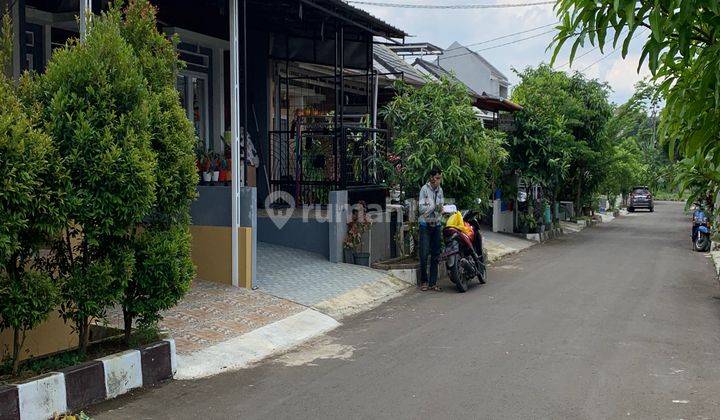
(99, 170)
(77, 387)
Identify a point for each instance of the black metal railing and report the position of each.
(312, 159)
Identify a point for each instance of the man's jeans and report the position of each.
(429, 246)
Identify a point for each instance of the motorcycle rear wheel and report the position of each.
(457, 275)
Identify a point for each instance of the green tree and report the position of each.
(680, 41)
(637, 120)
(163, 267)
(95, 105)
(559, 141)
(32, 212)
(625, 170)
(435, 125)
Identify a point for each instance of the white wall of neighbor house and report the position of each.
(502, 220)
(469, 69)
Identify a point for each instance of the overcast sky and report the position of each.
(468, 26)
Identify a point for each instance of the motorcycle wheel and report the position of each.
(702, 243)
(451, 265)
(458, 273)
(482, 272)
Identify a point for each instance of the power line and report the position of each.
(449, 6)
(499, 45)
(505, 36)
(611, 52)
(575, 58)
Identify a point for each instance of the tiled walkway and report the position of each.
(306, 277)
(212, 313)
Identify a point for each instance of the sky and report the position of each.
(467, 26)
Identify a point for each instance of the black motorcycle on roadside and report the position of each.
(463, 255)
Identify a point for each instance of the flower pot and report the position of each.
(348, 256)
(362, 258)
(207, 176)
(223, 176)
(215, 176)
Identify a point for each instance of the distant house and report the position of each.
(488, 106)
(474, 70)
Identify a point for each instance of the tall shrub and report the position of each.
(435, 125)
(95, 105)
(163, 268)
(32, 190)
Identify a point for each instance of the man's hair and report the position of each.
(434, 171)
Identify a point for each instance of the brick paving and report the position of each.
(212, 313)
(288, 279)
(306, 277)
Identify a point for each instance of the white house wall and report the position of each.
(469, 69)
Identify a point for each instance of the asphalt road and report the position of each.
(618, 321)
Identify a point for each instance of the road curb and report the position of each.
(364, 298)
(79, 386)
(242, 351)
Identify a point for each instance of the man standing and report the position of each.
(430, 202)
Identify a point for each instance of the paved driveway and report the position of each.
(306, 277)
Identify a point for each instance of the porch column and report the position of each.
(234, 127)
(85, 12)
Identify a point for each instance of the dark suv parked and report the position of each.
(640, 198)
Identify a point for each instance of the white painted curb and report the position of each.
(242, 351)
(42, 398)
(123, 372)
(173, 355)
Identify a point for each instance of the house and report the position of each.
(474, 71)
(295, 76)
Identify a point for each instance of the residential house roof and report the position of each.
(345, 11)
(386, 61)
(483, 101)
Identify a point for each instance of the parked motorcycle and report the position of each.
(463, 255)
(701, 232)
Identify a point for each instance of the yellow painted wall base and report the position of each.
(51, 336)
(212, 250)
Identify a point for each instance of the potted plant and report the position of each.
(223, 171)
(356, 229)
(527, 223)
(215, 167)
(205, 166)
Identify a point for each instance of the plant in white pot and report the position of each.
(205, 165)
(215, 167)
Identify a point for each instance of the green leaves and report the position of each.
(435, 125)
(560, 134)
